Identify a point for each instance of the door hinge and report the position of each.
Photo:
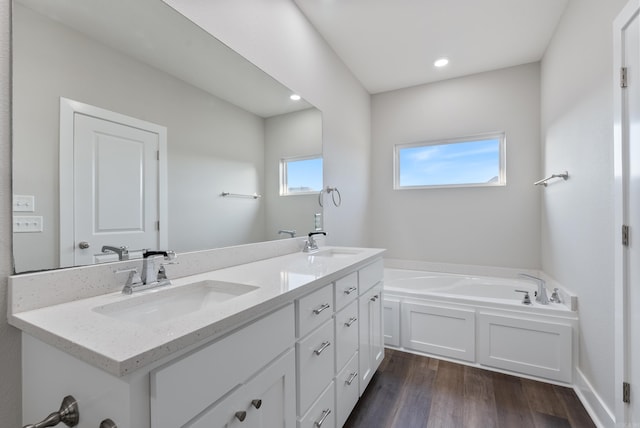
(623, 77)
(158, 154)
(626, 392)
(158, 225)
(625, 235)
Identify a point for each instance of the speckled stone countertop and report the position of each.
(85, 329)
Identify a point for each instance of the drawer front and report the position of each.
(204, 376)
(370, 275)
(346, 290)
(346, 334)
(322, 414)
(314, 309)
(346, 390)
(315, 355)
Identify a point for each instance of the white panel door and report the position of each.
(632, 215)
(626, 47)
(115, 188)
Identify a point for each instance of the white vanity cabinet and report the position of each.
(371, 351)
(182, 389)
(297, 362)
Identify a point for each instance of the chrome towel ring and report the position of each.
(333, 191)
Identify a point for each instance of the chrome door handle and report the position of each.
(351, 378)
(319, 422)
(350, 290)
(322, 347)
(321, 308)
(83, 245)
(351, 321)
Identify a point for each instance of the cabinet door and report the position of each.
(377, 327)
(266, 401)
(371, 334)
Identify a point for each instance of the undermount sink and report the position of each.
(163, 305)
(335, 252)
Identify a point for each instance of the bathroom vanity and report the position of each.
(287, 341)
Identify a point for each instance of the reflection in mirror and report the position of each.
(155, 75)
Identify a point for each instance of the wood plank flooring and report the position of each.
(411, 391)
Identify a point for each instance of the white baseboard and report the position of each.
(602, 416)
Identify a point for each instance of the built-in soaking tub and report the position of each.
(480, 320)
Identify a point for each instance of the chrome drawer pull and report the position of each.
(325, 413)
(322, 347)
(241, 415)
(256, 403)
(351, 321)
(374, 298)
(321, 308)
(351, 378)
(350, 290)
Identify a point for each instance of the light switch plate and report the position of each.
(24, 203)
(27, 223)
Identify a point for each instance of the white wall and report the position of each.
(213, 146)
(577, 215)
(490, 226)
(10, 386)
(290, 135)
(276, 37)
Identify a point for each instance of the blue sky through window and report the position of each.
(469, 162)
(304, 175)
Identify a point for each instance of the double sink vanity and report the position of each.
(289, 340)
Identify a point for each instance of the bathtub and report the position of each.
(480, 320)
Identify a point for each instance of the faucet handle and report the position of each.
(526, 300)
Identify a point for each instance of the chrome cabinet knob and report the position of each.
(256, 403)
(241, 416)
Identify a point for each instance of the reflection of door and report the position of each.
(117, 181)
(627, 174)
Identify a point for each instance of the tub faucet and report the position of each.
(291, 232)
(541, 295)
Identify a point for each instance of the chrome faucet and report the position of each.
(153, 272)
(310, 245)
(291, 233)
(541, 294)
(122, 252)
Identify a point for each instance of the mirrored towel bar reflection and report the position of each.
(240, 195)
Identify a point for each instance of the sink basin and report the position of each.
(336, 252)
(165, 305)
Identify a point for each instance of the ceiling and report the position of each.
(392, 44)
(155, 34)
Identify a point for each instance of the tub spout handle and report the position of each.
(526, 300)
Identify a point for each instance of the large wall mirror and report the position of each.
(129, 125)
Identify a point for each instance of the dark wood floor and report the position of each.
(410, 391)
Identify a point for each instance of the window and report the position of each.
(460, 162)
(299, 176)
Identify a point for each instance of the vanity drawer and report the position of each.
(322, 414)
(314, 309)
(346, 334)
(347, 390)
(202, 377)
(315, 365)
(346, 290)
(370, 275)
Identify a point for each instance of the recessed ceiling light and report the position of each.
(295, 97)
(441, 62)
